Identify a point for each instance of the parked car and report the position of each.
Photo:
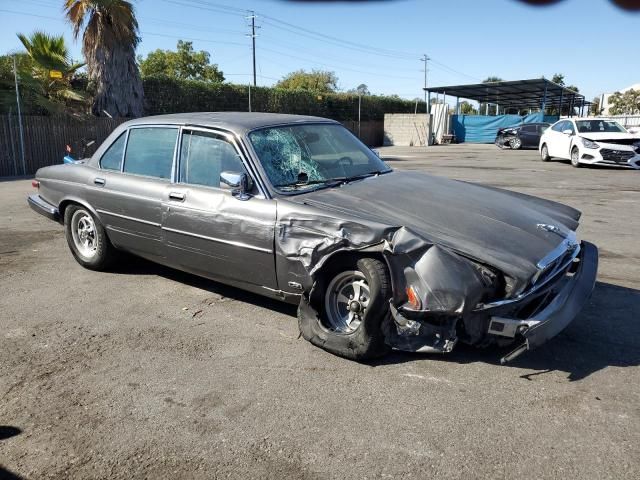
(298, 209)
(591, 141)
(524, 136)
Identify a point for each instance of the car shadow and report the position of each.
(6, 432)
(606, 333)
(133, 265)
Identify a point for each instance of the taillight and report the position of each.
(35, 183)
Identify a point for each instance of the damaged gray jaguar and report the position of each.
(298, 209)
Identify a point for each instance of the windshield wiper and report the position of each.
(327, 181)
(330, 182)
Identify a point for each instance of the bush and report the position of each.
(167, 95)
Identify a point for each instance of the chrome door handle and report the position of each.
(99, 181)
(179, 196)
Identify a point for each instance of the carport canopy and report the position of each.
(538, 93)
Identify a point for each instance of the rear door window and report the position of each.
(112, 158)
(150, 151)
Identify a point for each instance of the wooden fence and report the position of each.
(45, 139)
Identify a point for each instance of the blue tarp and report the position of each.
(483, 129)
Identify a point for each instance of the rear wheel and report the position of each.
(87, 238)
(515, 143)
(353, 302)
(544, 153)
(575, 157)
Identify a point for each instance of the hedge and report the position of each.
(167, 95)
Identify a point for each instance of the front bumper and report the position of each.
(612, 156)
(41, 206)
(564, 307)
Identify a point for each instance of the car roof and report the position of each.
(237, 122)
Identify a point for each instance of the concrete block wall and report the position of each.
(406, 129)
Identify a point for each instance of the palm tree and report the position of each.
(47, 76)
(109, 42)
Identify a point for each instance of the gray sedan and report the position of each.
(298, 209)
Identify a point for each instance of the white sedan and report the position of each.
(592, 141)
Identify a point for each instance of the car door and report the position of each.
(209, 231)
(129, 187)
(528, 135)
(556, 139)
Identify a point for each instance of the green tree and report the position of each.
(316, 81)
(51, 67)
(627, 103)
(467, 109)
(492, 79)
(109, 40)
(361, 89)
(45, 72)
(184, 63)
(595, 106)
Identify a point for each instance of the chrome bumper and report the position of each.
(555, 317)
(43, 207)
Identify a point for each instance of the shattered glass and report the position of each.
(282, 156)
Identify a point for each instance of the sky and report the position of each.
(592, 42)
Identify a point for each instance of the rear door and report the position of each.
(127, 192)
(207, 230)
(528, 135)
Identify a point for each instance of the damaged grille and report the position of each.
(551, 269)
(617, 156)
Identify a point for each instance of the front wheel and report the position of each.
(544, 153)
(87, 239)
(515, 143)
(353, 302)
(575, 157)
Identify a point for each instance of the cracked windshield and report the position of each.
(302, 156)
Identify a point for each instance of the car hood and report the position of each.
(494, 226)
(608, 136)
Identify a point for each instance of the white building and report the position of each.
(604, 98)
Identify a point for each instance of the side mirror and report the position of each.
(568, 131)
(239, 183)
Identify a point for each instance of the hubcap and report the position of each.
(346, 301)
(83, 230)
(574, 156)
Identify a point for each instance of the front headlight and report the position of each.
(589, 144)
(636, 145)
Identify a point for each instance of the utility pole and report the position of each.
(252, 17)
(425, 59)
(15, 76)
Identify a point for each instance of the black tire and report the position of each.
(367, 341)
(515, 143)
(102, 252)
(575, 155)
(544, 153)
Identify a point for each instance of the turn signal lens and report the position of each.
(413, 298)
(35, 183)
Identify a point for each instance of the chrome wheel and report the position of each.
(544, 153)
(575, 157)
(83, 230)
(346, 301)
(516, 143)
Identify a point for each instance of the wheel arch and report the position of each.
(68, 201)
(341, 255)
